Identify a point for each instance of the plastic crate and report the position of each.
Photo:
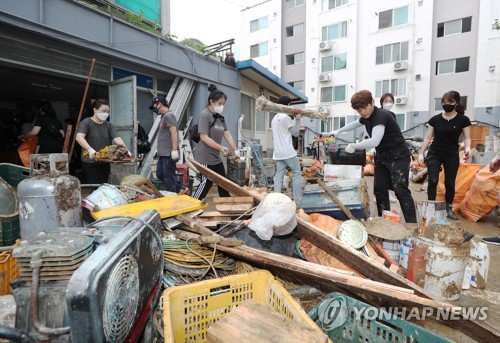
(189, 310)
(10, 229)
(13, 174)
(336, 316)
(9, 270)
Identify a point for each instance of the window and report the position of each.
(458, 65)
(395, 17)
(391, 53)
(334, 31)
(438, 107)
(454, 26)
(333, 94)
(295, 58)
(257, 50)
(338, 122)
(298, 85)
(246, 106)
(401, 120)
(394, 86)
(293, 3)
(329, 4)
(295, 30)
(330, 63)
(259, 24)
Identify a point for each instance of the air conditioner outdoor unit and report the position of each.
(324, 77)
(324, 109)
(401, 100)
(401, 65)
(325, 45)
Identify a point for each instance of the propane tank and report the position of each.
(50, 197)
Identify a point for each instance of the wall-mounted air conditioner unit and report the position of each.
(324, 109)
(325, 77)
(401, 100)
(401, 65)
(325, 45)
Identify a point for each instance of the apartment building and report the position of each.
(417, 50)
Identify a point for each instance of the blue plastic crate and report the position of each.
(337, 316)
(352, 193)
(13, 174)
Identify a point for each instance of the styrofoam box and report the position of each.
(335, 172)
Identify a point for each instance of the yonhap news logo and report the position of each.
(332, 313)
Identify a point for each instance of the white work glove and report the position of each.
(174, 155)
(420, 158)
(129, 154)
(225, 152)
(467, 153)
(91, 153)
(349, 149)
(334, 133)
(236, 153)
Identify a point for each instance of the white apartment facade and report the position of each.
(417, 50)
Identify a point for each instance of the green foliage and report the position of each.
(188, 42)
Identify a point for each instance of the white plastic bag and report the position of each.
(275, 215)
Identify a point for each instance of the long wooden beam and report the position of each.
(475, 329)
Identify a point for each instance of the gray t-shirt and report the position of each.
(164, 136)
(97, 135)
(203, 153)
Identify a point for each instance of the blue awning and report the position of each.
(255, 72)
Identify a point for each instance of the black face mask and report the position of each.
(448, 108)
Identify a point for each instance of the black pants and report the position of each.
(96, 173)
(206, 184)
(394, 172)
(450, 162)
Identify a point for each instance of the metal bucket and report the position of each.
(444, 266)
(105, 196)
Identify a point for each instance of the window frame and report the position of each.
(296, 3)
(259, 46)
(294, 56)
(380, 51)
(393, 17)
(291, 31)
(460, 60)
(325, 4)
(387, 85)
(333, 91)
(342, 28)
(465, 26)
(259, 26)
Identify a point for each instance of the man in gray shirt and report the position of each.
(168, 143)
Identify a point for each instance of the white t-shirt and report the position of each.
(283, 145)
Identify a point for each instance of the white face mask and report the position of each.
(388, 106)
(219, 109)
(102, 115)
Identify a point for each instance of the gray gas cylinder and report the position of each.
(50, 197)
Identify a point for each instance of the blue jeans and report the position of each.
(165, 171)
(281, 166)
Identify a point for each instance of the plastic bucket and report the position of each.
(444, 267)
(105, 196)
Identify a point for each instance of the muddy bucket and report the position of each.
(105, 196)
(444, 266)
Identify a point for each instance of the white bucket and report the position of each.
(479, 263)
(105, 196)
(404, 252)
(444, 267)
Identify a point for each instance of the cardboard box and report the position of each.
(336, 172)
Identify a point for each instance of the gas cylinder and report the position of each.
(50, 197)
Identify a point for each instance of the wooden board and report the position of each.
(169, 206)
(251, 322)
(233, 208)
(105, 160)
(236, 200)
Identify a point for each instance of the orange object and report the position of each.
(465, 175)
(482, 196)
(391, 216)
(9, 270)
(26, 149)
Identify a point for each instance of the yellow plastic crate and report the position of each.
(189, 310)
(9, 270)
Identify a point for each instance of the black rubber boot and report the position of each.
(450, 213)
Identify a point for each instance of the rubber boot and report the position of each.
(450, 213)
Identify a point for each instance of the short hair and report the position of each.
(384, 96)
(361, 99)
(284, 100)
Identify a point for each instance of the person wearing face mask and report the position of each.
(387, 102)
(392, 160)
(212, 128)
(168, 144)
(446, 129)
(95, 133)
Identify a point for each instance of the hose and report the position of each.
(15, 335)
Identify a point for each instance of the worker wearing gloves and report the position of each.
(95, 133)
(392, 161)
(168, 144)
(446, 128)
(284, 127)
(212, 128)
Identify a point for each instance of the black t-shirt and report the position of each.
(49, 137)
(393, 143)
(446, 133)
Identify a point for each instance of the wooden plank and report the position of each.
(359, 262)
(339, 203)
(252, 322)
(236, 200)
(233, 208)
